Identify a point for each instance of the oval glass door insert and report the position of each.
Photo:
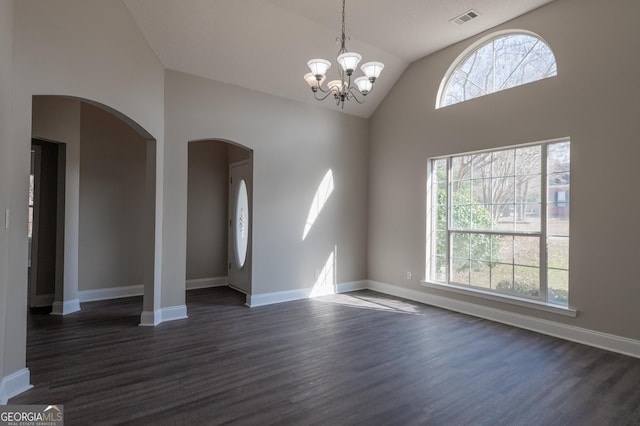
(242, 224)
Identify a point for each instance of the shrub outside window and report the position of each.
(498, 221)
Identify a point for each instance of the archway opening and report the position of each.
(211, 213)
(105, 224)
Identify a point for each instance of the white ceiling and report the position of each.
(265, 44)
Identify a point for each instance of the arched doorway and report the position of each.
(105, 226)
(216, 225)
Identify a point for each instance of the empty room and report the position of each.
(340, 212)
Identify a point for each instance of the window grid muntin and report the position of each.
(561, 176)
(490, 182)
(542, 270)
(544, 219)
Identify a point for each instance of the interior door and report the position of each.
(240, 221)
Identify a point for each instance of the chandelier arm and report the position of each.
(352, 94)
(320, 89)
(322, 98)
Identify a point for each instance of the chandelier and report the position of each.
(342, 90)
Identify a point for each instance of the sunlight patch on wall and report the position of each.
(319, 200)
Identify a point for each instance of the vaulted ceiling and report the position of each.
(265, 44)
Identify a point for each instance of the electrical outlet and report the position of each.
(316, 273)
(408, 275)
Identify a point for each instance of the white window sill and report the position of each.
(512, 300)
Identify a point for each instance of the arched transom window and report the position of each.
(500, 62)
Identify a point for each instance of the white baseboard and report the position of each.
(256, 300)
(138, 290)
(110, 293)
(172, 313)
(585, 336)
(14, 384)
(65, 308)
(207, 282)
(352, 286)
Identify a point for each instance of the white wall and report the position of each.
(90, 49)
(57, 119)
(71, 48)
(6, 53)
(208, 201)
(294, 147)
(112, 202)
(593, 100)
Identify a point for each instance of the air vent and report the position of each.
(465, 17)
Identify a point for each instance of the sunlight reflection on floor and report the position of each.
(365, 301)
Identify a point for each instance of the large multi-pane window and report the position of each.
(499, 221)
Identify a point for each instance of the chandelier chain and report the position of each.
(342, 47)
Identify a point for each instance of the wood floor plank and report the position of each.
(354, 359)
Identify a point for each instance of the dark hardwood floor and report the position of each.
(356, 359)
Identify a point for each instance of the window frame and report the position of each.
(540, 303)
(460, 59)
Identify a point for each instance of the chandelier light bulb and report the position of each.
(313, 82)
(364, 84)
(372, 70)
(349, 61)
(319, 67)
